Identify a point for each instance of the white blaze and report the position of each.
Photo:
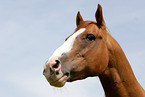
(67, 45)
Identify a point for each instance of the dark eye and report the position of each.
(90, 37)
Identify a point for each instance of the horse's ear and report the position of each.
(99, 16)
(79, 19)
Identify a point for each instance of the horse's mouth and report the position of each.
(61, 81)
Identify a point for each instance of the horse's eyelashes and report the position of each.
(90, 37)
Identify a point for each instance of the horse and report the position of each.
(92, 51)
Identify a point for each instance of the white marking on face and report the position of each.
(67, 45)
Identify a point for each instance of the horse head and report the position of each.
(83, 54)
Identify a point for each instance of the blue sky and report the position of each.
(30, 30)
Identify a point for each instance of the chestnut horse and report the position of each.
(92, 51)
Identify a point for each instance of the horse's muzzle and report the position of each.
(53, 73)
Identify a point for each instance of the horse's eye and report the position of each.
(90, 37)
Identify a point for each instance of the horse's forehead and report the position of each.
(89, 28)
(86, 24)
(68, 44)
(92, 28)
(78, 33)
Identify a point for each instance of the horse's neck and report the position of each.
(118, 79)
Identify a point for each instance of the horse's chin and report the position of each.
(59, 82)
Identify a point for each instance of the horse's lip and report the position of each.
(62, 79)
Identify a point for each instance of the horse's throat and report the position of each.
(113, 84)
(118, 79)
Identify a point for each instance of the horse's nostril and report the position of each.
(57, 73)
(56, 65)
(67, 74)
